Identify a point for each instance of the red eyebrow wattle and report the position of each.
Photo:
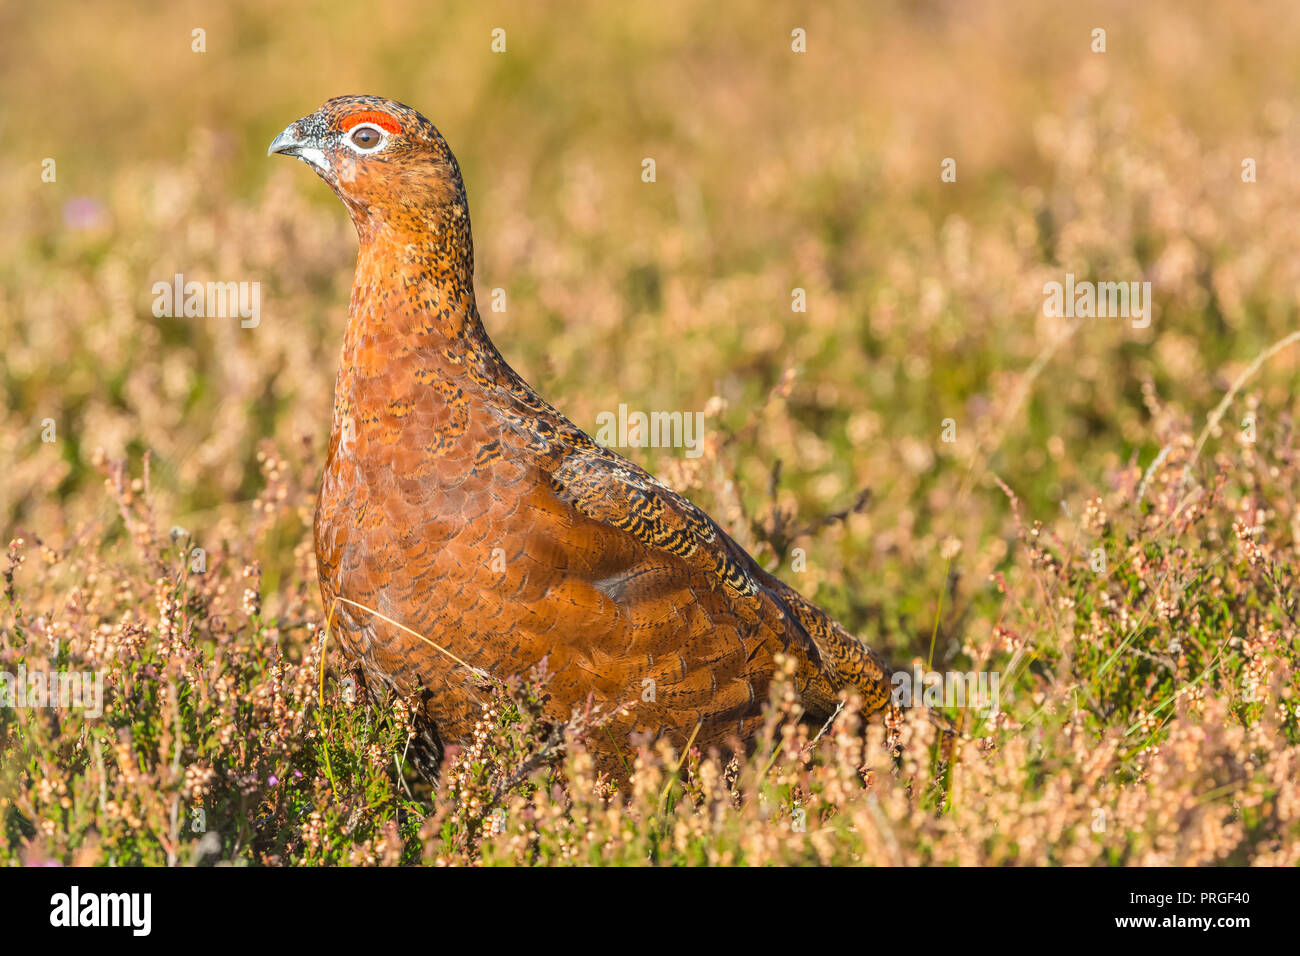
(382, 120)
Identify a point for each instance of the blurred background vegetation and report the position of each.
(775, 170)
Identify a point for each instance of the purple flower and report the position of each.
(84, 212)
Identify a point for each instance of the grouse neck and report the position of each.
(416, 285)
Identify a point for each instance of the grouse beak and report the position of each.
(292, 143)
(287, 142)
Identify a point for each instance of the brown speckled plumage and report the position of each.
(458, 503)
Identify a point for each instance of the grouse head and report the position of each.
(389, 165)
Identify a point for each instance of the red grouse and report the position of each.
(461, 510)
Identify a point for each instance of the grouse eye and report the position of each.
(366, 137)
